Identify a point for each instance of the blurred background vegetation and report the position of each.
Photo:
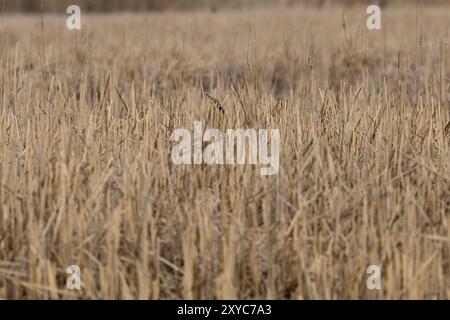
(138, 5)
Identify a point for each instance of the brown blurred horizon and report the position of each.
(161, 5)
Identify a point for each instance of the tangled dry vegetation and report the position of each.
(86, 177)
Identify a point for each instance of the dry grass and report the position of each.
(86, 176)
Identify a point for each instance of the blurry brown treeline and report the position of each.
(117, 5)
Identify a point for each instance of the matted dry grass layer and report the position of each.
(86, 177)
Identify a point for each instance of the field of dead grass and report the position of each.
(86, 177)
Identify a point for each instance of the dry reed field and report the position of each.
(86, 177)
